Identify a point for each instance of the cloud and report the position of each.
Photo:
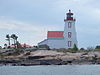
(32, 19)
(96, 14)
(11, 24)
(28, 33)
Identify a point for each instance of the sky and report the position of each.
(31, 19)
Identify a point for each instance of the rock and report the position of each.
(35, 57)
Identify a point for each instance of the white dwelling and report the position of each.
(62, 39)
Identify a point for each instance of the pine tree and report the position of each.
(75, 48)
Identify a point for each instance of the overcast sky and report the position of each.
(31, 19)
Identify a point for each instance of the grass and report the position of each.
(65, 50)
(73, 51)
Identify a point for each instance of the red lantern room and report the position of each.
(69, 16)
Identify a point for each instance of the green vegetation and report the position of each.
(72, 50)
(14, 37)
(17, 46)
(43, 47)
(8, 39)
(65, 50)
(75, 48)
(61, 50)
(0, 47)
(97, 47)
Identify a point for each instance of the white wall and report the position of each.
(43, 42)
(62, 42)
(54, 43)
(73, 31)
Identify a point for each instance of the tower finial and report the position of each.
(69, 11)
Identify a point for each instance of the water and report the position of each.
(51, 70)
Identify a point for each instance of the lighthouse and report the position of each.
(62, 39)
(69, 30)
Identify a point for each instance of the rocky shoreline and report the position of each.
(47, 57)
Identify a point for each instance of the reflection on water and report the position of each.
(51, 70)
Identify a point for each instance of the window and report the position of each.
(69, 34)
(69, 43)
(69, 24)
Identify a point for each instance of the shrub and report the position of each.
(97, 47)
(82, 49)
(75, 48)
(62, 50)
(90, 48)
(44, 46)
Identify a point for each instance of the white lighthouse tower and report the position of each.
(62, 39)
(70, 31)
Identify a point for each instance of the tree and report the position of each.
(82, 49)
(44, 46)
(5, 45)
(75, 48)
(18, 44)
(24, 45)
(14, 37)
(8, 39)
(90, 48)
(97, 47)
(0, 47)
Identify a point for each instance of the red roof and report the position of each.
(55, 34)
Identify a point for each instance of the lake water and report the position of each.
(51, 70)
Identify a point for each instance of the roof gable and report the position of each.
(55, 34)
